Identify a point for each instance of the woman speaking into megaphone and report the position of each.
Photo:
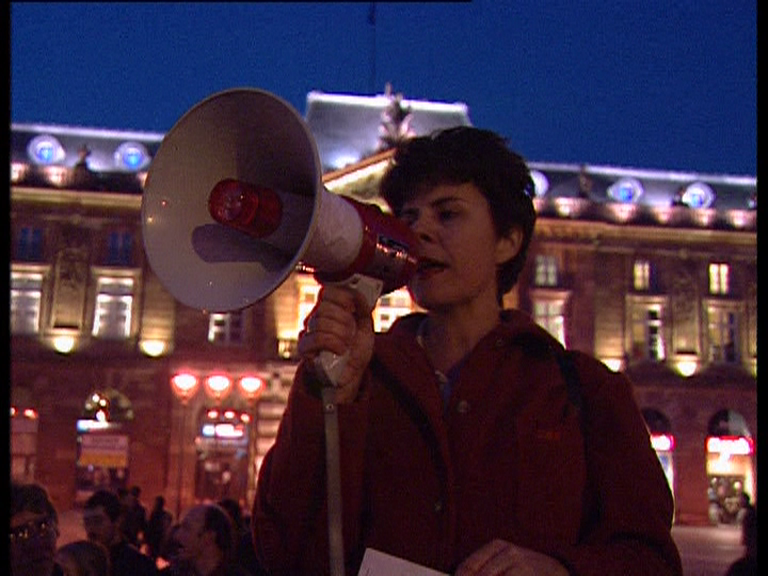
(470, 441)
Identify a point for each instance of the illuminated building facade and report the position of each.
(114, 382)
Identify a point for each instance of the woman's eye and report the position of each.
(446, 215)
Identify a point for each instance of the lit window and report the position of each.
(114, 302)
(29, 247)
(718, 278)
(549, 315)
(45, 150)
(723, 335)
(308, 292)
(26, 292)
(546, 270)
(698, 195)
(389, 308)
(642, 275)
(131, 155)
(226, 328)
(120, 249)
(540, 183)
(626, 190)
(647, 337)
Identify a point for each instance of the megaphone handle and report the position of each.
(333, 481)
(330, 366)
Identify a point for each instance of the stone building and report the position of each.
(114, 382)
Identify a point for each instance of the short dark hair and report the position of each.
(107, 500)
(465, 154)
(218, 520)
(232, 508)
(31, 497)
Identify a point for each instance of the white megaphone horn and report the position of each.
(234, 202)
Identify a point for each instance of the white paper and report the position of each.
(377, 563)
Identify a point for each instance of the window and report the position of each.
(120, 249)
(45, 150)
(642, 275)
(549, 315)
(718, 278)
(389, 308)
(546, 270)
(723, 331)
(29, 247)
(647, 336)
(698, 195)
(625, 190)
(226, 328)
(26, 293)
(114, 302)
(132, 156)
(308, 292)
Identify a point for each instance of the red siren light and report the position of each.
(254, 210)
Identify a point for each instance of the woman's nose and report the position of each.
(423, 229)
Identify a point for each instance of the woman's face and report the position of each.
(458, 251)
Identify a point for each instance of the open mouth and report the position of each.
(429, 266)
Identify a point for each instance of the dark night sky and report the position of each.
(656, 84)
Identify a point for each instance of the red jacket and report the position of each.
(509, 458)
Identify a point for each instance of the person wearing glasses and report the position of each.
(34, 531)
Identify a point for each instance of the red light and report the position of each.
(254, 210)
(251, 385)
(184, 385)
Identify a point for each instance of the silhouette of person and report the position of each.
(747, 564)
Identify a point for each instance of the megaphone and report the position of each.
(234, 202)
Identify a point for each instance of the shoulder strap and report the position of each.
(571, 376)
(565, 361)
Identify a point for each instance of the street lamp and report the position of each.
(184, 386)
(218, 386)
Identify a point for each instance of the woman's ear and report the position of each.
(508, 246)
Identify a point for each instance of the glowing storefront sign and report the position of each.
(223, 430)
(663, 442)
(730, 445)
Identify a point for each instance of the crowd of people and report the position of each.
(121, 539)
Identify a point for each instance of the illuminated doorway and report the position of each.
(103, 443)
(221, 470)
(730, 470)
(663, 442)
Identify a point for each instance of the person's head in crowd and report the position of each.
(101, 517)
(749, 533)
(234, 510)
(33, 530)
(83, 558)
(206, 538)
